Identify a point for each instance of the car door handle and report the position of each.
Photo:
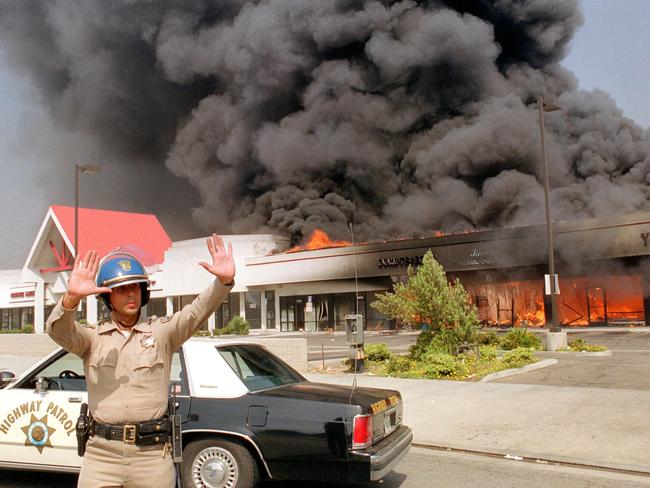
(74, 399)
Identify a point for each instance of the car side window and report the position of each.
(67, 373)
(258, 369)
(176, 374)
(64, 373)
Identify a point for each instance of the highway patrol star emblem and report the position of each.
(38, 433)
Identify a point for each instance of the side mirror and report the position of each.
(6, 377)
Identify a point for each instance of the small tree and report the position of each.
(428, 299)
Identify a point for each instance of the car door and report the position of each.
(38, 415)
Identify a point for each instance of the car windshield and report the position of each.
(257, 368)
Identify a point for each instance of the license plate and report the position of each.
(389, 422)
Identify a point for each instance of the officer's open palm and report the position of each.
(223, 264)
(82, 277)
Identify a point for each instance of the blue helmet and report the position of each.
(119, 269)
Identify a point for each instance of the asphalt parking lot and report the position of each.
(628, 366)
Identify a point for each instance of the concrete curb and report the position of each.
(513, 454)
(582, 354)
(512, 372)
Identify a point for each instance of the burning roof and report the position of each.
(319, 240)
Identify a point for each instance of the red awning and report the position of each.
(106, 230)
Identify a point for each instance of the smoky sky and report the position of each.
(288, 115)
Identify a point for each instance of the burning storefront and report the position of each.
(602, 265)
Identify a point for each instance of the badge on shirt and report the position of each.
(148, 342)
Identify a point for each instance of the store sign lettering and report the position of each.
(399, 262)
(477, 258)
(21, 294)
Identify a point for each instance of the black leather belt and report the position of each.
(146, 433)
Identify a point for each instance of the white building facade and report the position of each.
(604, 268)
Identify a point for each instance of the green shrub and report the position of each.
(520, 337)
(421, 345)
(487, 338)
(237, 326)
(580, 345)
(398, 364)
(27, 329)
(442, 365)
(518, 357)
(376, 352)
(488, 352)
(444, 340)
(577, 344)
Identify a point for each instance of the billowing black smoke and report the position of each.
(287, 115)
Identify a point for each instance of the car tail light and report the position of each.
(362, 432)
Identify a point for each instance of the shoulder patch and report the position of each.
(152, 319)
(89, 326)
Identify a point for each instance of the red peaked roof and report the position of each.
(105, 230)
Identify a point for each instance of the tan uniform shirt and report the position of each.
(128, 378)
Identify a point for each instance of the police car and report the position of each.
(246, 415)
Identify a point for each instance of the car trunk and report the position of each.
(383, 407)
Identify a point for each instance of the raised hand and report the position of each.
(82, 280)
(223, 264)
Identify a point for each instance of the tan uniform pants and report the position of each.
(111, 464)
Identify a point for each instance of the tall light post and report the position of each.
(91, 169)
(555, 323)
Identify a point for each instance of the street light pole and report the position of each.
(91, 169)
(545, 107)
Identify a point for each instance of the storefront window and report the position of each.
(253, 301)
(343, 305)
(233, 306)
(157, 307)
(181, 301)
(583, 301)
(269, 296)
(324, 312)
(222, 315)
(16, 318)
(601, 300)
(377, 320)
(287, 313)
(327, 312)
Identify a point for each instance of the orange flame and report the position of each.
(593, 300)
(319, 240)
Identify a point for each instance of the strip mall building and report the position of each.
(604, 269)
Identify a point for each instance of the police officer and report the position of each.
(127, 363)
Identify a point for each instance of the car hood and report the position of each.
(323, 392)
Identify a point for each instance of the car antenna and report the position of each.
(356, 306)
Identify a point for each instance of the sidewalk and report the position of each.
(593, 426)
